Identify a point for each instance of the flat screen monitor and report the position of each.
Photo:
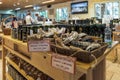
(79, 7)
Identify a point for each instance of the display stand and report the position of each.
(113, 55)
(42, 61)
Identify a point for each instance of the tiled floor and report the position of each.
(113, 71)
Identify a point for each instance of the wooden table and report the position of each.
(42, 61)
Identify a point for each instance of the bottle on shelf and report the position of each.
(107, 37)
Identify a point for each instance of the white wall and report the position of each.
(68, 5)
(91, 12)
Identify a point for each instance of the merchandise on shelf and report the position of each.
(27, 68)
(74, 43)
(14, 73)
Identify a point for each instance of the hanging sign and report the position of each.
(64, 63)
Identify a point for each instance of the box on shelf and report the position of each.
(7, 31)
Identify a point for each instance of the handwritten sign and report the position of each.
(64, 63)
(38, 45)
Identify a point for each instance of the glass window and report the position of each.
(61, 14)
(44, 13)
(110, 9)
(116, 10)
(98, 10)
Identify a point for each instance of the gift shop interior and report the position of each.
(59, 39)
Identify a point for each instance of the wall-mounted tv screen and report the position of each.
(79, 7)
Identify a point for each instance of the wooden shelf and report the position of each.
(18, 54)
(18, 69)
(0, 47)
(8, 76)
(42, 61)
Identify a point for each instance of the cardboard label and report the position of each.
(38, 45)
(64, 63)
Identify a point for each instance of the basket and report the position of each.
(7, 31)
(81, 55)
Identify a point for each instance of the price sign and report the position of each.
(64, 63)
(38, 45)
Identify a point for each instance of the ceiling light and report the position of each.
(17, 9)
(28, 6)
(18, 3)
(26, 0)
(48, 1)
(0, 2)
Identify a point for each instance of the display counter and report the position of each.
(114, 54)
(42, 61)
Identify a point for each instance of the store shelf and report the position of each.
(42, 62)
(8, 77)
(18, 69)
(18, 54)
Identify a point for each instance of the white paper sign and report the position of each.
(64, 63)
(38, 45)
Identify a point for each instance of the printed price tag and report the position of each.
(38, 45)
(64, 63)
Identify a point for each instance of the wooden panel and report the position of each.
(9, 43)
(99, 72)
(118, 53)
(3, 62)
(44, 65)
(116, 36)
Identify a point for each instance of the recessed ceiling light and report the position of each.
(1, 2)
(48, 1)
(18, 3)
(26, 0)
(28, 6)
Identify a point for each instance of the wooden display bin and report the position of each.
(42, 61)
(116, 36)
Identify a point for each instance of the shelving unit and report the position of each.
(8, 77)
(1, 44)
(18, 69)
(113, 56)
(42, 61)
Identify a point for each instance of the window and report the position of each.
(116, 10)
(98, 10)
(109, 9)
(61, 14)
(44, 13)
